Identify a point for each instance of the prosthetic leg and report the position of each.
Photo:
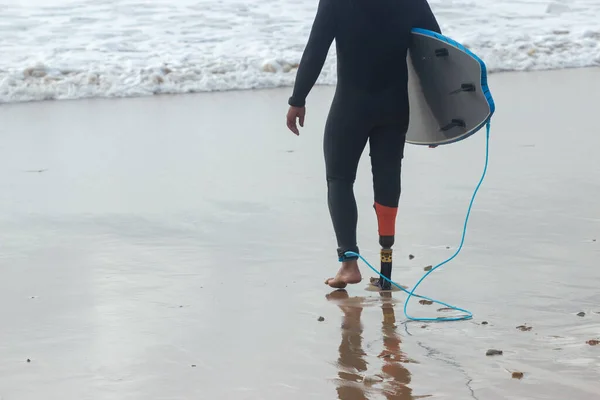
(386, 221)
(385, 253)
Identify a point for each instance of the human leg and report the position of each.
(344, 141)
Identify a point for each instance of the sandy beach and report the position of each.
(175, 247)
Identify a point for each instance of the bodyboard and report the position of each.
(449, 97)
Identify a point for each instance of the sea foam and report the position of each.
(63, 49)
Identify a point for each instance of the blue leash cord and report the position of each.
(468, 315)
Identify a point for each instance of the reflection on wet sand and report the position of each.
(392, 378)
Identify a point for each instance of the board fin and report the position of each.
(455, 122)
(465, 87)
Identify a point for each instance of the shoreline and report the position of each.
(491, 77)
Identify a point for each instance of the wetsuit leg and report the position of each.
(387, 151)
(343, 144)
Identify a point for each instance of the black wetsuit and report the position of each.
(370, 102)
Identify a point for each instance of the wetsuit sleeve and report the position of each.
(426, 18)
(321, 36)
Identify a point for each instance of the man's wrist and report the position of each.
(294, 102)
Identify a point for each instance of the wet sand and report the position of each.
(175, 247)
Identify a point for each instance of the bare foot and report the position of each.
(348, 274)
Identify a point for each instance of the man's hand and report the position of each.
(293, 113)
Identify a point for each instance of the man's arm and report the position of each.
(426, 19)
(315, 53)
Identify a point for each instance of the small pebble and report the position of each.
(426, 302)
(593, 342)
(428, 268)
(410, 256)
(321, 319)
(423, 326)
(447, 247)
(492, 352)
(581, 314)
(484, 323)
(28, 360)
(517, 375)
(193, 365)
(524, 328)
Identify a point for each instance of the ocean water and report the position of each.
(69, 49)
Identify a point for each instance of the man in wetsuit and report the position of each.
(370, 104)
